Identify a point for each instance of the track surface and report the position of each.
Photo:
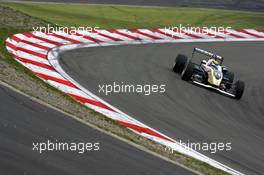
(23, 122)
(185, 111)
(247, 5)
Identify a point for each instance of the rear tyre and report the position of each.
(187, 72)
(179, 64)
(239, 89)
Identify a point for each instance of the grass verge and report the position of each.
(105, 17)
(137, 17)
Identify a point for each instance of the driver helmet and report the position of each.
(217, 60)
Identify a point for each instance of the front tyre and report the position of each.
(179, 64)
(230, 76)
(187, 72)
(239, 89)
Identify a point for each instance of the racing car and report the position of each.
(209, 75)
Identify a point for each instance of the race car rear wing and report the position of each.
(206, 53)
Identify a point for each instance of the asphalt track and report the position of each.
(23, 121)
(184, 111)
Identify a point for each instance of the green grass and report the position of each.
(137, 17)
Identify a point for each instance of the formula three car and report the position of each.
(210, 73)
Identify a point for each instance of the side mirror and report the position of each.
(224, 68)
(204, 62)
